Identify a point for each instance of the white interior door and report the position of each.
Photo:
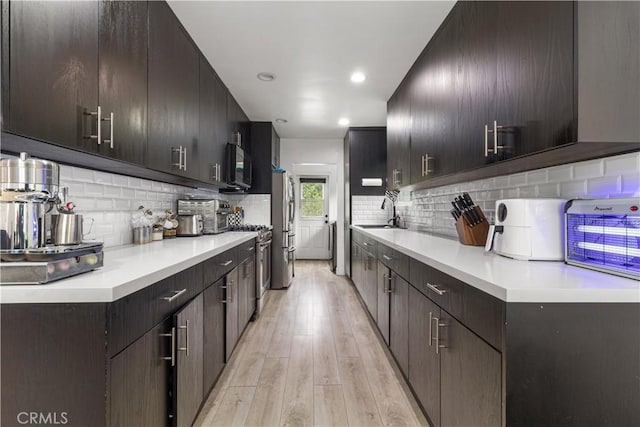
(312, 239)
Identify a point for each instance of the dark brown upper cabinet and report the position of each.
(78, 75)
(534, 77)
(123, 79)
(52, 71)
(608, 36)
(399, 136)
(173, 95)
(213, 124)
(367, 159)
(262, 143)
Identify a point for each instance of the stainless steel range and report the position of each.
(263, 260)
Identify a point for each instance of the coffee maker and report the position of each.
(29, 192)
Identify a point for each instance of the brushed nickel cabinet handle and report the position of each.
(172, 358)
(175, 295)
(436, 289)
(390, 281)
(98, 115)
(427, 171)
(186, 338)
(110, 120)
(184, 164)
(388, 258)
(226, 263)
(430, 329)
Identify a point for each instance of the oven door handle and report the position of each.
(265, 244)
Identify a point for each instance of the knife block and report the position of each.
(472, 236)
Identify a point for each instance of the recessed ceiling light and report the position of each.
(266, 76)
(343, 121)
(358, 77)
(281, 120)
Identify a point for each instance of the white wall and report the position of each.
(320, 157)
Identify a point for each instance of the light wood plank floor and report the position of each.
(312, 358)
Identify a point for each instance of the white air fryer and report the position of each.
(528, 229)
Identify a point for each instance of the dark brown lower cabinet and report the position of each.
(246, 292)
(140, 380)
(399, 320)
(213, 338)
(455, 374)
(231, 312)
(424, 363)
(383, 301)
(470, 380)
(187, 377)
(369, 290)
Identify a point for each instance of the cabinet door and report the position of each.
(188, 369)
(399, 136)
(139, 385)
(275, 148)
(382, 319)
(367, 159)
(53, 72)
(475, 86)
(251, 285)
(424, 362)
(173, 95)
(535, 76)
(356, 265)
(434, 109)
(608, 34)
(245, 271)
(470, 377)
(399, 321)
(370, 283)
(260, 148)
(212, 124)
(214, 329)
(231, 312)
(123, 79)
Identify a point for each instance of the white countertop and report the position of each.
(127, 269)
(508, 279)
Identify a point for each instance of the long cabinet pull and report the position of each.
(110, 120)
(172, 358)
(175, 295)
(390, 281)
(430, 329)
(436, 289)
(385, 277)
(226, 263)
(230, 291)
(388, 258)
(425, 165)
(184, 163)
(186, 338)
(98, 115)
(437, 337)
(179, 151)
(494, 131)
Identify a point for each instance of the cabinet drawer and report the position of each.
(479, 311)
(395, 260)
(246, 250)
(442, 289)
(366, 242)
(130, 317)
(219, 266)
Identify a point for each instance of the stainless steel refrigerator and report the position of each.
(283, 209)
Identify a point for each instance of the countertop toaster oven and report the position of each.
(604, 235)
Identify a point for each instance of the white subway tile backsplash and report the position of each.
(110, 199)
(603, 187)
(620, 165)
(617, 176)
(588, 169)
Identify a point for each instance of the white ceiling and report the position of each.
(312, 47)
